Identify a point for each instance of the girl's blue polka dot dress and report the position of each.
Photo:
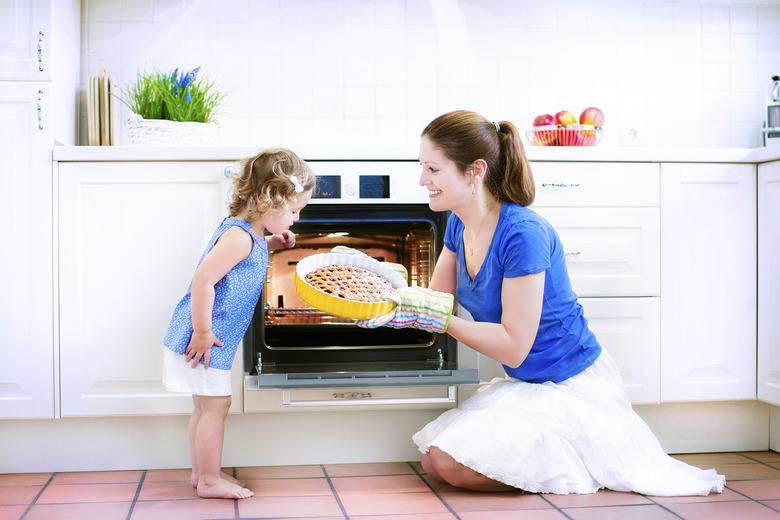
(235, 298)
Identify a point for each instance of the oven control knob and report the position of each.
(350, 190)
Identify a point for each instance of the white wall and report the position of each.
(374, 72)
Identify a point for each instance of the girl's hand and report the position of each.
(200, 347)
(284, 240)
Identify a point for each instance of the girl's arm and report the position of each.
(233, 246)
(443, 277)
(510, 341)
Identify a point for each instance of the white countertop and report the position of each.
(534, 153)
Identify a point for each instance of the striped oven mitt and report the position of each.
(398, 268)
(416, 307)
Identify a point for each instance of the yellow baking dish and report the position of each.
(339, 306)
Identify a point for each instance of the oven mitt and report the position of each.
(398, 268)
(416, 307)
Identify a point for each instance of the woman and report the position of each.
(561, 421)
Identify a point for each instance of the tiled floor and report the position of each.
(386, 491)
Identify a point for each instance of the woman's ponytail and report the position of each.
(516, 181)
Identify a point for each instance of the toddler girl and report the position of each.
(212, 317)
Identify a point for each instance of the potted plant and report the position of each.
(172, 108)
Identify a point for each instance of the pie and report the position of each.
(349, 282)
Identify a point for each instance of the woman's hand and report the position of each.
(284, 240)
(200, 347)
(416, 307)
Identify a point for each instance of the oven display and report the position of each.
(327, 187)
(374, 186)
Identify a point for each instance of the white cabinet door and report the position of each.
(130, 237)
(629, 329)
(24, 39)
(610, 251)
(769, 283)
(26, 307)
(708, 288)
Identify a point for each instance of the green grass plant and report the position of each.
(175, 96)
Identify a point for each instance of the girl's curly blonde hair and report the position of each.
(264, 182)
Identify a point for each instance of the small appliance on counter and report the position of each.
(772, 126)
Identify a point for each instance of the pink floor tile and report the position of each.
(757, 489)
(380, 484)
(70, 493)
(24, 479)
(392, 504)
(711, 459)
(167, 491)
(12, 512)
(763, 456)
(602, 498)
(724, 511)
(643, 512)
(97, 477)
(727, 496)
(196, 509)
(755, 471)
(414, 516)
(473, 501)
(16, 495)
(288, 507)
(93, 511)
(263, 472)
(525, 514)
(378, 468)
(290, 487)
(168, 475)
(774, 504)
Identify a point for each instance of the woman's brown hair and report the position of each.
(465, 136)
(265, 182)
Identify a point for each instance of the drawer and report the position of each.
(610, 251)
(344, 398)
(596, 184)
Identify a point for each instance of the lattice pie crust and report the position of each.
(349, 282)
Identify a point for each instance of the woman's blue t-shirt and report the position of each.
(524, 243)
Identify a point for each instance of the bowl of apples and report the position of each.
(563, 129)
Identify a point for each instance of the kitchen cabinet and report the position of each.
(708, 288)
(24, 40)
(26, 309)
(130, 237)
(769, 282)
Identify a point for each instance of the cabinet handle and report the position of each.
(40, 51)
(559, 185)
(230, 171)
(39, 109)
(572, 253)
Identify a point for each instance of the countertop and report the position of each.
(534, 153)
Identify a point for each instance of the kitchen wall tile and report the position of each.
(265, 11)
(389, 12)
(104, 37)
(659, 16)
(716, 76)
(768, 48)
(390, 102)
(744, 47)
(231, 38)
(297, 101)
(359, 73)
(204, 10)
(329, 70)
(715, 17)
(200, 37)
(362, 101)
(629, 17)
(419, 13)
(136, 37)
(716, 46)
(233, 11)
(743, 18)
(135, 10)
(743, 77)
(686, 16)
(769, 19)
(265, 38)
(264, 131)
(265, 99)
(168, 10)
(105, 11)
(328, 101)
(359, 12)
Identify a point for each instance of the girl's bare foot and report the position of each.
(223, 489)
(222, 475)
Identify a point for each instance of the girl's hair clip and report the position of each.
(296, 183)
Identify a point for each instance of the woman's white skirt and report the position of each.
(576, 436)
(179, 376)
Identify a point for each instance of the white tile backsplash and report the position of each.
(375, 72)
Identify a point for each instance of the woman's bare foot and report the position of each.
(222, 475)
(223, 489)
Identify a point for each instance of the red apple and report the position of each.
(544, 120)
(565, 118)
(592, 116)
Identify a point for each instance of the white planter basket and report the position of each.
(156, 132)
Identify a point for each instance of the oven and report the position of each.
(379, 208)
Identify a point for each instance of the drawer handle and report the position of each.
(572, 253)
(560, 185)
(351, 395)
(230, 171)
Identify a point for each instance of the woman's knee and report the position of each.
(447, 468)
(212, 404)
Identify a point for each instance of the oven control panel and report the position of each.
(366, 181)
